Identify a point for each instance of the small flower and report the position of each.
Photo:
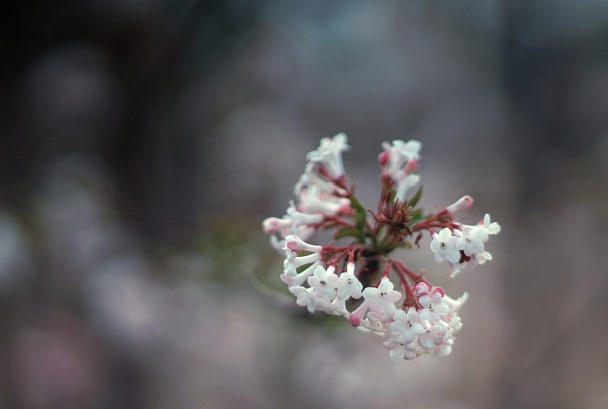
(433, 306)
(444, 246)
(304, 297)
(433, 336)
(329, 154)
(470, 240)
(324, 283)
(399, 349)
(348, 284)
(491, 227)
(382, 299)
(407, 324)
(399, 153)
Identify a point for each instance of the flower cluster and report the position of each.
(356, 280)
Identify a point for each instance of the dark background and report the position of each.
(143, 141)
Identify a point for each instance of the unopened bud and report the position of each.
(463, 203)
(411, 165)
(383, 159)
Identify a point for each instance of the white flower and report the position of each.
(407, 325)
(471, 240)
(491, 227)
(399, 153)
(444, 246)
(329, 154)
(399, 349)
(324, 283)
(433, 306)
(382, 299)
(348, 284)
(433, 336)
(304, 297)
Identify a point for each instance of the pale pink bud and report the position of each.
(411, 165)
(356, 317)
(383, 159)
(294, 243)
(463, 203)
(274, 224)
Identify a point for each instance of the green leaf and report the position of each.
(416, 216)
(360, 217)
(360, 214)
(416, 198)
(346, 232)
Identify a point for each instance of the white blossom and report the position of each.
(444, 246)
(304, 297)
(433, 306)
(329, 154)
(491, 227)
(324, 283)
(382, 299)
(407, 324)
(470, 240)
(399, 349)
(400, 153)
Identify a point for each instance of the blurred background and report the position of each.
(143, 141)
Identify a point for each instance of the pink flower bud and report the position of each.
(463, 203)
(383, 159)
(274, 224)
(411, 165)
(356, 316)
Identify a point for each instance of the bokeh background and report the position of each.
(143, 141)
